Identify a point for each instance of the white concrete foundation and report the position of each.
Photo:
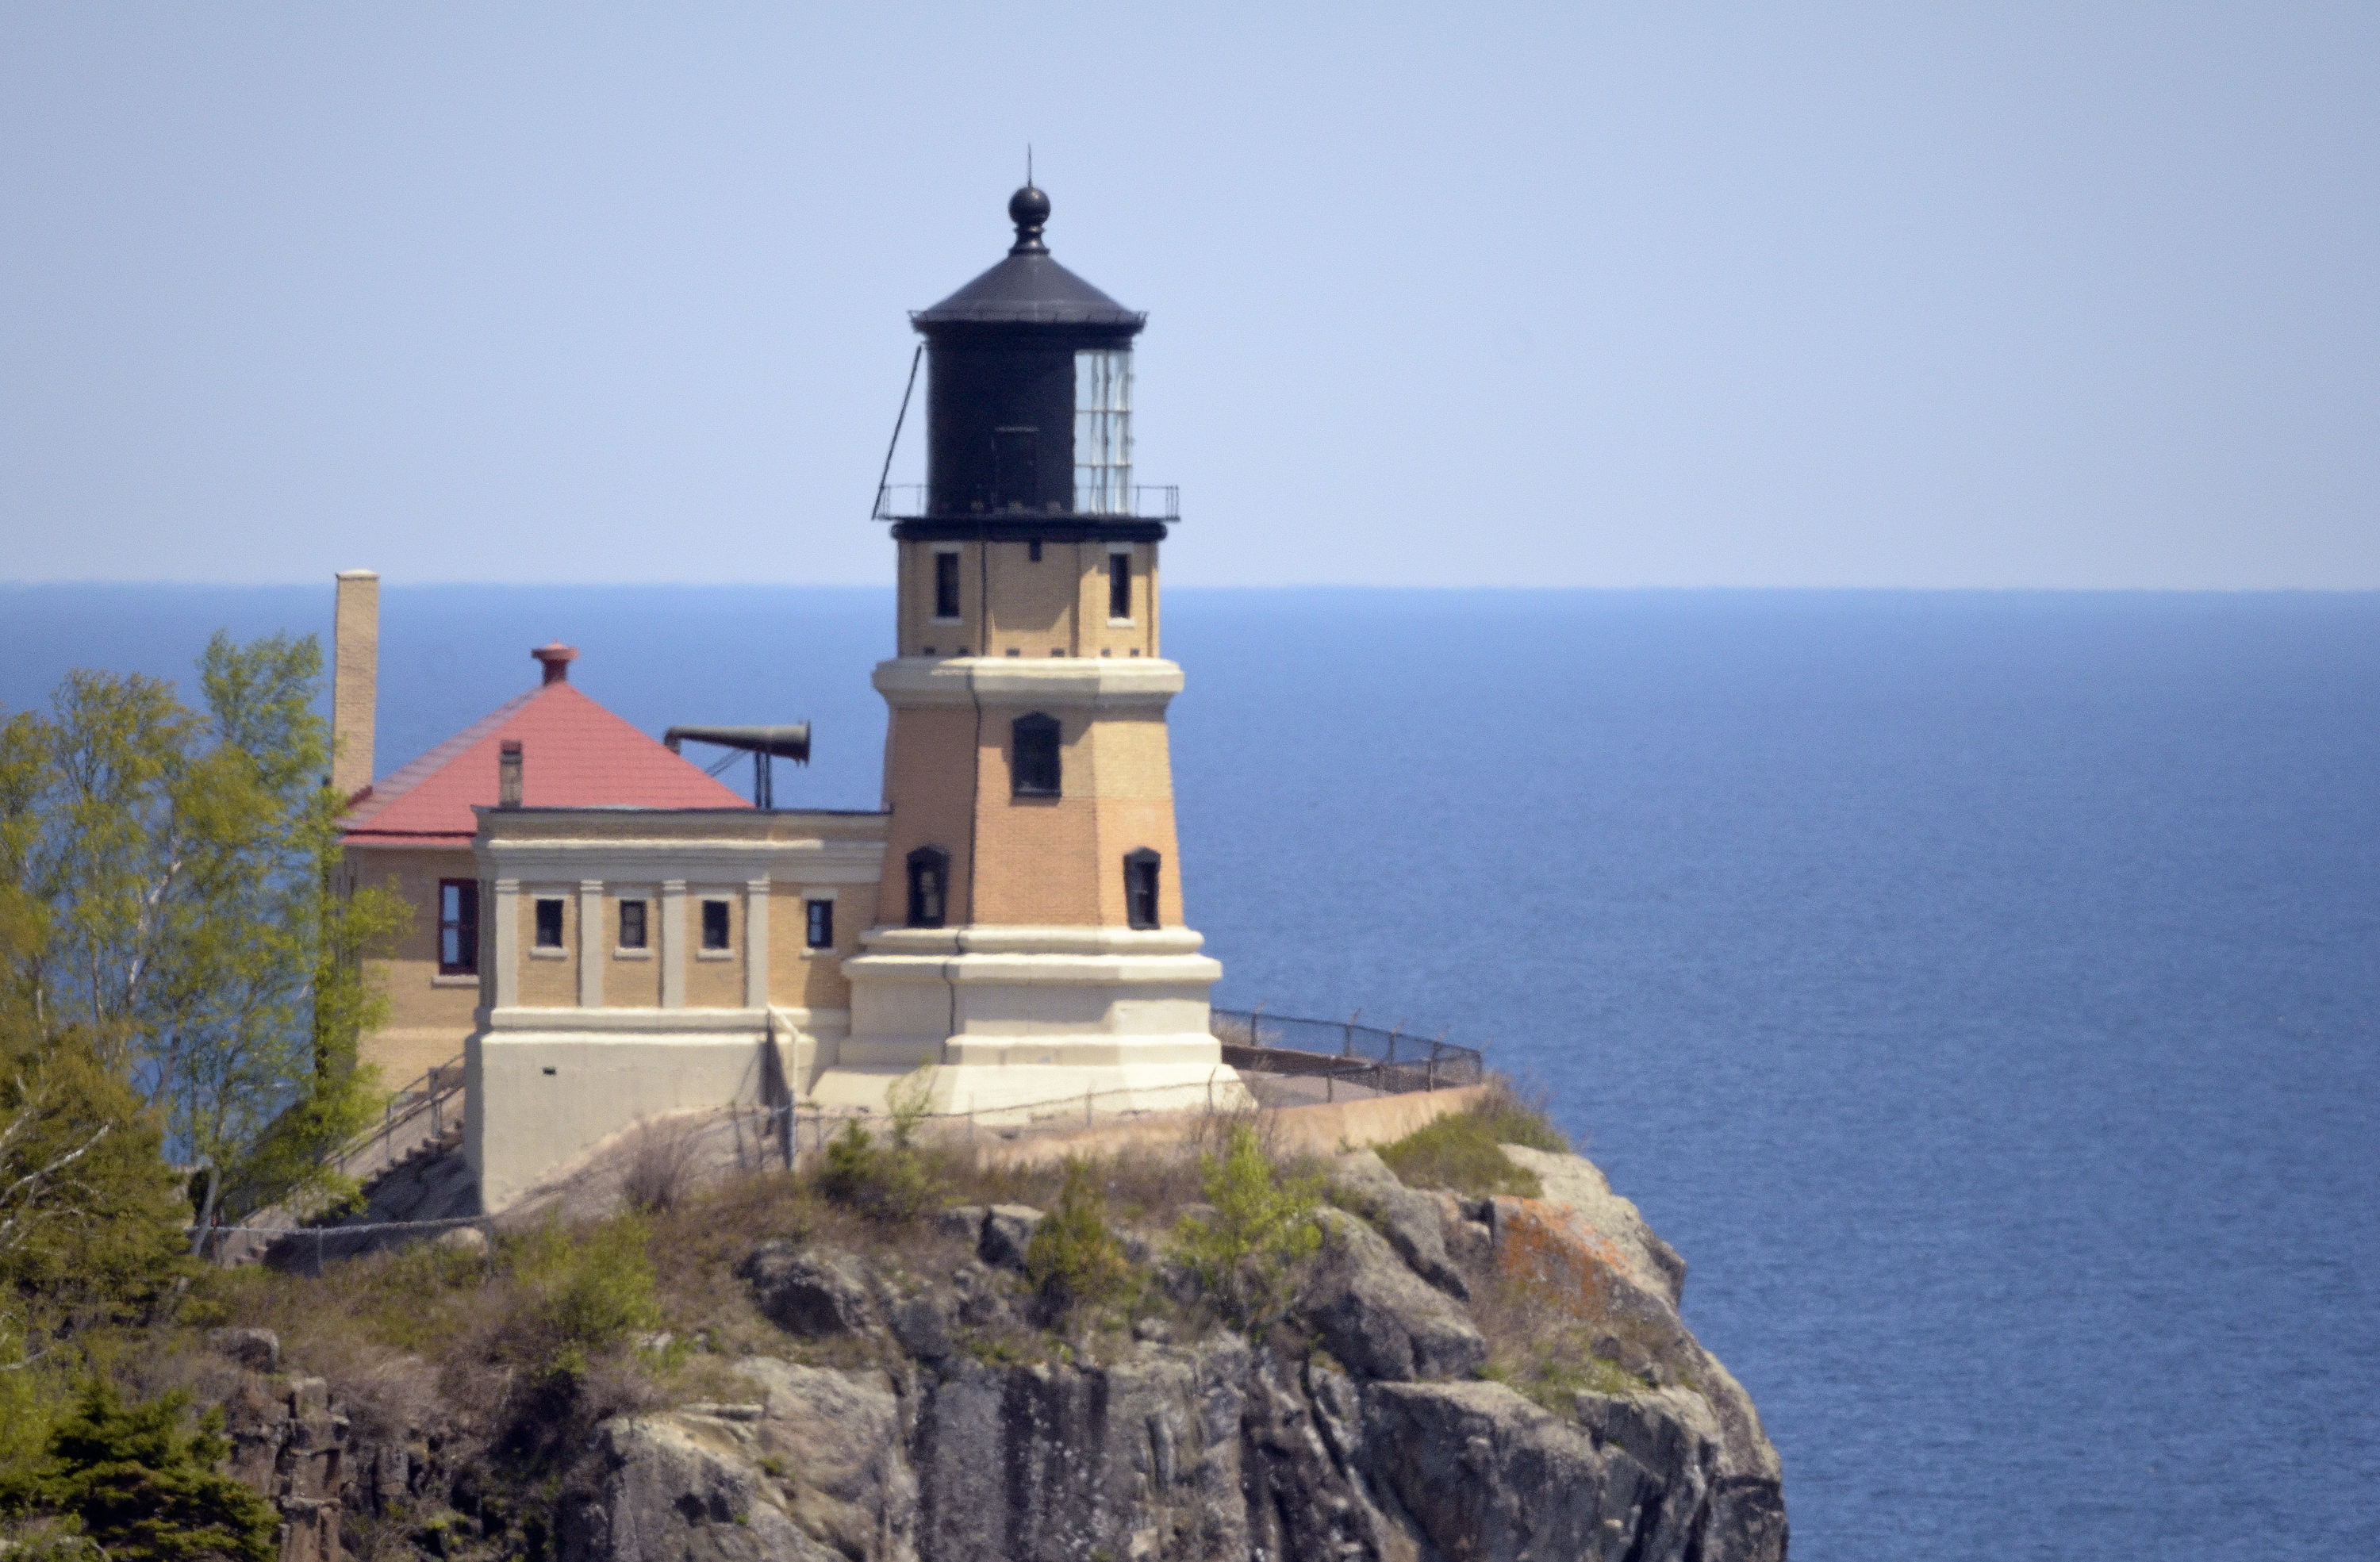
(543, 1085)
(1023, 1022)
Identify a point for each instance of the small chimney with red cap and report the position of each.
(556, 658)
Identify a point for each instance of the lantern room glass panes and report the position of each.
(1103, 434)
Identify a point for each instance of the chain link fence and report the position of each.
(1341, 1053)
(1390, 1062)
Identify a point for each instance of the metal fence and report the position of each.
(1390, 1061)
(1150, 501)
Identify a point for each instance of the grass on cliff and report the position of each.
(1462, 1152)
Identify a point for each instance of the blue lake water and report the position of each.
(1980, 990)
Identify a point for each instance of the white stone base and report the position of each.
(1023, 1022)
(542, 1085)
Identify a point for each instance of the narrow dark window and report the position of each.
(1033, 550)
(1140, 887)
(1118, 586)
(458, 927)
(632, 924)
(714, 924)
(946, 586)
(930, 874)
(822, 932)
(549, 925)
(1034, 772)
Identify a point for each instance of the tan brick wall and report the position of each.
(1025, 860)
(1033, 604)
(547, 981)
(428, 1018)
(633, 981)
(1126, 825)
(711, 982)
(930, 785)
(918, 628)
(1056, 607)
(1102, 637)
(800, 977)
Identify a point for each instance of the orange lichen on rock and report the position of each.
(1548, 1246)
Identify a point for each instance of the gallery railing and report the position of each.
(1148, 502)
(1390, 1061)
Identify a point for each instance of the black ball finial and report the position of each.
(1028, 209)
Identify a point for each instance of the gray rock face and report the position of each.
(257, 1350)
(809, 1294)
(1411, 1220)
(1377, 1316)
(1007, 1231)
(1148, 1444)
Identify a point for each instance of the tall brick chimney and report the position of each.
(355, 680)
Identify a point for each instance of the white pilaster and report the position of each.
(507, 950)
(591, 943)
(672, 932)
(756, 943)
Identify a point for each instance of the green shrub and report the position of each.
(888, 1181)
(1073, 1258)
(1247, 1255)
(1461, 1151)
(146, 1490)
(579, 1294)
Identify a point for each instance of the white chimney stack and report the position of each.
(355, 680)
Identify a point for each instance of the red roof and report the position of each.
(575, 753)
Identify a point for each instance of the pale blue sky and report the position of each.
(1915, 295)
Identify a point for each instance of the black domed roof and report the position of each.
(1029, 288)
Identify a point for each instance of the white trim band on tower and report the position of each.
(1145, 682)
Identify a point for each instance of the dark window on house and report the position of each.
(1033, 550)
(946, 586)
(1034, 772)
(458, 927)
(1140, 887)
(549, 923)
(714, 924)
(822, 931)
(1118, 586)
(632, 924)
(929, 879)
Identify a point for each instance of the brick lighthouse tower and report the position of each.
(1029, 938)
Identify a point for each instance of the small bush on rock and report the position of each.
(1247, 1254)
(1073, 1258)
(888, 1181)
(579, 1294)
(1461, 1151)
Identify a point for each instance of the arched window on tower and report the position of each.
(1033, 773)
(1140, 887)
(929, 883)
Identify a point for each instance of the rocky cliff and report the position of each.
(1460, 1379)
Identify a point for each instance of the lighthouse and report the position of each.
(1029, 941)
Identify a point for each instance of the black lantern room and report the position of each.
(1028, 407)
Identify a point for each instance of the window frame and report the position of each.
(538, 942)
(1142, 871)
(464, 925)
(644, 920)
(1047, 738)
(930, 860)
(727, 944)
(818, 924)
(950, 593)
(1119, 585)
